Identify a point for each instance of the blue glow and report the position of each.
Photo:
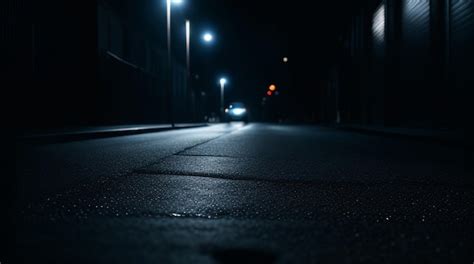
(223, 81)
(208, 37)
(238, 111)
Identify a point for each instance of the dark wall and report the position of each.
(460, 60)
(132, 69)
(133, 66)
(55, 75)
(91, 63)
(417, 73)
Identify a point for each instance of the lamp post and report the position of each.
(170, 63)
(223, 82)
(188, 47)
(208, 38)
(188, 69)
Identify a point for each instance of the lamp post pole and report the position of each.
(188, 70)
(223, 81)
(170, 66)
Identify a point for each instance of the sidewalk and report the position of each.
(83, 133)
(436, 135)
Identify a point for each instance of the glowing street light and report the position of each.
(223, 82)
(285, 59)
(208, 37)
(188, 46)
(272, 88)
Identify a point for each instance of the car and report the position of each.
(237, 112)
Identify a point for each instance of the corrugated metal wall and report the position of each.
(133, 72)
(415, 61)
(376, 93)
(378, 30)
(421, 64)
(461, 31)
(461, 61)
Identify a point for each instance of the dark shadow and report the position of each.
(230, 256)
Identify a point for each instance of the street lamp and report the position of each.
(208, 37)
(170, 69)
(223, 82)
(188, 48)
(188, 68)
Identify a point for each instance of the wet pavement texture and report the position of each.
(245, 194)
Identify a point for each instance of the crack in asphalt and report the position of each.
(315, 182)
(182, 152)
(204, 155)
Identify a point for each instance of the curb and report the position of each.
(104, 133)
(452, 139)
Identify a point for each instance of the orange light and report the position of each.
(272, 87)
(269, 93)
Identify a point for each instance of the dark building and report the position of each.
(405, 63)
(94, 63)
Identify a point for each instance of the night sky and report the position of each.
(252, 38)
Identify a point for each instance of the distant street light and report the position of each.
(188, 69)
(285, 59)
(208, 37)
(272, 88)
(223, 82)
(188, 47)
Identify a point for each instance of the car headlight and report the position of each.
(238, 111)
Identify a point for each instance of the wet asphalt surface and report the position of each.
(259, 193)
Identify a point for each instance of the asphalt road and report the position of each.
(241, 194)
